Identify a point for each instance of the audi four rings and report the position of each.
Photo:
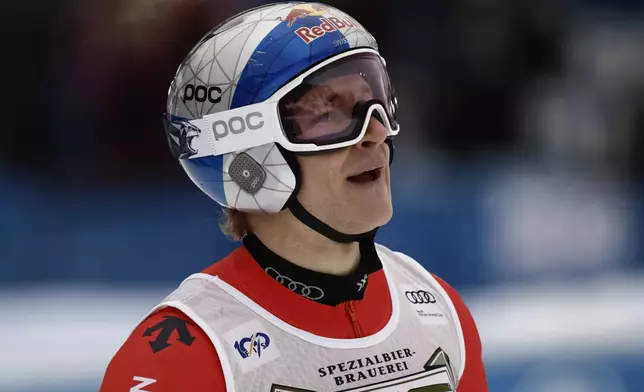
(311, 292)
(420, 297)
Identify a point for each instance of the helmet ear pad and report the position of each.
(258, 179)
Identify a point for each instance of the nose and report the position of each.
(375, 135)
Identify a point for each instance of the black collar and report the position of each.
(317, 286)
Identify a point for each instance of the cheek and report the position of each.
(321, 179)
(322, 171)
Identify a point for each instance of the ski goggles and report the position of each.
(327, 107)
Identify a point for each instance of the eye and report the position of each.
(326, 116)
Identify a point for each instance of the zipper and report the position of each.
(351, 311)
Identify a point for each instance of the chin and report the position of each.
(383, 216)
(370, 216)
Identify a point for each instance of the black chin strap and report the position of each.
(298, 210)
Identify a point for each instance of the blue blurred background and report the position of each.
(519, 178)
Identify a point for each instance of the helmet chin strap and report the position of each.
(304, 216)
(298, 210)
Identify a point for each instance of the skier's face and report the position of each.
(349, 189)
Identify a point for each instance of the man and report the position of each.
(285, 116)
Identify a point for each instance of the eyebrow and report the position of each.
(324, 92)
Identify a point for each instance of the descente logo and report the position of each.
(237, 125)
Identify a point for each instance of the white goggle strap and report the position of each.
(236, 130)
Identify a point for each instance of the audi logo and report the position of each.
(420, 297)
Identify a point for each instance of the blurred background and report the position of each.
(519, 179)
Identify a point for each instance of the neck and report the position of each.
(289, 238)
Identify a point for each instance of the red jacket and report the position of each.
(196, 366)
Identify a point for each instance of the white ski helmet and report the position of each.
(232, 119)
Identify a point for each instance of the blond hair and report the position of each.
(234, 224)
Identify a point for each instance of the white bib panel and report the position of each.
(421, 348)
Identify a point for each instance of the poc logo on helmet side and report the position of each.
(201, 93)
(237, 125)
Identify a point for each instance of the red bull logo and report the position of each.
(304, 10)
(327, 25)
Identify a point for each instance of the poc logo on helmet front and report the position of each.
(237, 125)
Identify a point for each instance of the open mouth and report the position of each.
(366, 177)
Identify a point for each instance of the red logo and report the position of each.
(304, 10)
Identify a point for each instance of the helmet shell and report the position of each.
(244, 61)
